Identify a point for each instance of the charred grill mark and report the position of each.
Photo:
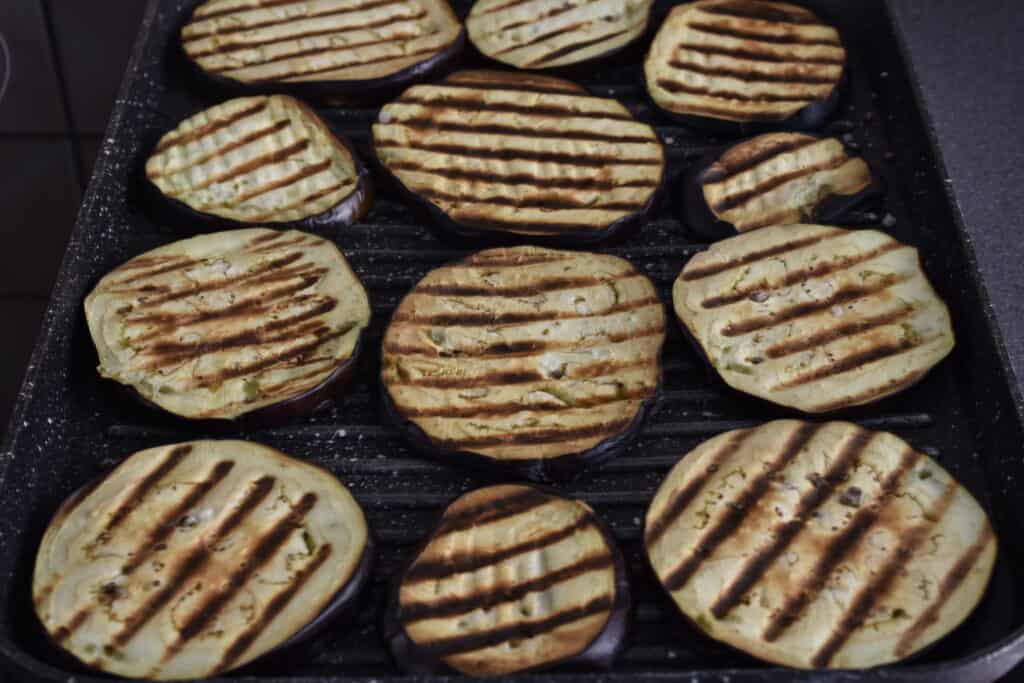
(142, 489)
(484, 87)
(253, 136)
(506, 5)
(270, 360)
(576, 47)
(760, 56)
(853, 362)
(446, 647)
(192, 563)
(493, 511)
(346, 65)
(512, 408)
(247, 167)
(791, 38)
(873, 392)
(263, 4)
(738, 511)
(746, 196)
(834, 552)
(519, 376)
(795, 77)
(541, 37)
(431, 125)
(679, 87)
(691, 274)
(760, 11)
(541, 436)
(316, 196)
(538, 286)
(279, 242)
(524, 155)
(240, 26)
(502, 261)
(539, 201)
(754, 568)
(210, 127)
(294, 178)
(75, 623)
(499, 594)
(880, 584)
(555, 110)
(947, 587)
(682, 498)
(556, 11)
(515, 179)
(515, 317)
(176, 264)
(834, 333)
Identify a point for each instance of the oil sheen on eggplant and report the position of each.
(192, 559)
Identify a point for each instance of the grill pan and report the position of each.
(70, 426)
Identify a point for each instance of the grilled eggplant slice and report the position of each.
(234, 323)
(258, 160)
(513, 579)
(814, 317)
(819, 545)
(321, 48)
(492, 153)
(550, 33)
(192, 559)
(525, 360)
(740, 66)
(775, 179)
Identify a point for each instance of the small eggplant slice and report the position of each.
(322, 49)
(493, 154)
(257, 161)
(551, 33)
(775, 179)
(192, 559)
(513, 579)
(741, 66)
(819, 545)
(525, 360)
(243, 322)
(814, 317)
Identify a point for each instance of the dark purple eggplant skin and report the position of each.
(600, 654)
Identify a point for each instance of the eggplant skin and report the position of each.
(600, 654)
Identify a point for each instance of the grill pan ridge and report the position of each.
(70, 426)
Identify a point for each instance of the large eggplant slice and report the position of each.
(739, 66)
(814, 317)
(525, 360)
(492, 153)
(819, 545)
(552, 33)
(192, 559)
(255, 161)
(321, 48)
(513, 579)
(774, 179)
(234, 323)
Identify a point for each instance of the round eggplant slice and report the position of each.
(321, 48)
(513, 579)
(814, 317)
(499, 154)
(243, 322)
(254, 161)
(819, 545)
(774, 179)
(551, 34)
(191, 559)
(739, 66)
(525, 360)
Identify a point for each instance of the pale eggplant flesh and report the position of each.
(569, 610)
(192, 559)
(819, 545)
(231, 325)
(525, 360)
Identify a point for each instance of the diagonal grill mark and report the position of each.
(347, 65)
(744, 34)
(521, 376)
(833, 554)
(481, 105)
(142, 489)
(746, 196)
(271, 360)
(506, 5)
(210, 127)
(556, 11)
(690, 274)
(277, 21)
(260, 4)
(752, 76)
(192, 563)
(738, 511)
(305, 172)
(759, 56)
(881, 583)
(540, 38)
(177, 264)
(787, 348)
(308, 199)
(493, 511)
(784, 534)
(533, 288)
(515, 179)
(542, 436)
(722, 170)
(75, 623)
(539, 201)
(249, 166)
(515, 317)
(453, 645)
(483, 87)
(760, 11)
(512, 408)
(733, 95)
(497, 595)
(252, 136)
(521, 155)
(853, 362)
(525, 129)
(688, 493)
(576, 47)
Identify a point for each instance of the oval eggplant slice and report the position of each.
(231, 323)
(525, 360)
(738, 66)
(192, 559)
(492, 153)
(258, 160)
(775, 179)
(513, 579)
(814, 317)
(819, 545)
(551, 33)
(321, 48)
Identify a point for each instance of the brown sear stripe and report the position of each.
(759, 56)
(516, 179)
(514, 317)
(749, 76)
(853, 362)
(484, 87)
(177, 264)
(538, 201)
(832, 554)
(504, 409)
(761, 11)
(75, 623)
(263, 4)
(273, 608)
(541, 37)
(743, 34)
(540, 436)
(522, 377)
(524, 155)
(449, 646)
(682, 498)
(754, 568)
(481, 105)
(294, 178)
(746, 196)
(493, 511)
(678, 87)
(501, 260)
(872, 393)
(721, 171)
(270, 360)
(947, 587)
(210, 127)
(557, 11)
(576, 47)
(320, 194)
(140, 490)
(525, 130)
(813, 341)
(538, 286)
(738, 511)
(192, 563)
(506, 5)
(498, 594)
(881, 582)
(247, 167)
(346, 65)
(277, 21)
(689, 275)
(277, 127)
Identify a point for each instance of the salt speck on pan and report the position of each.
(889, 220)
(342, 433)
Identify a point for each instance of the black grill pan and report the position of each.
(69, 426)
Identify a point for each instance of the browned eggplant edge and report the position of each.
(599, 654)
